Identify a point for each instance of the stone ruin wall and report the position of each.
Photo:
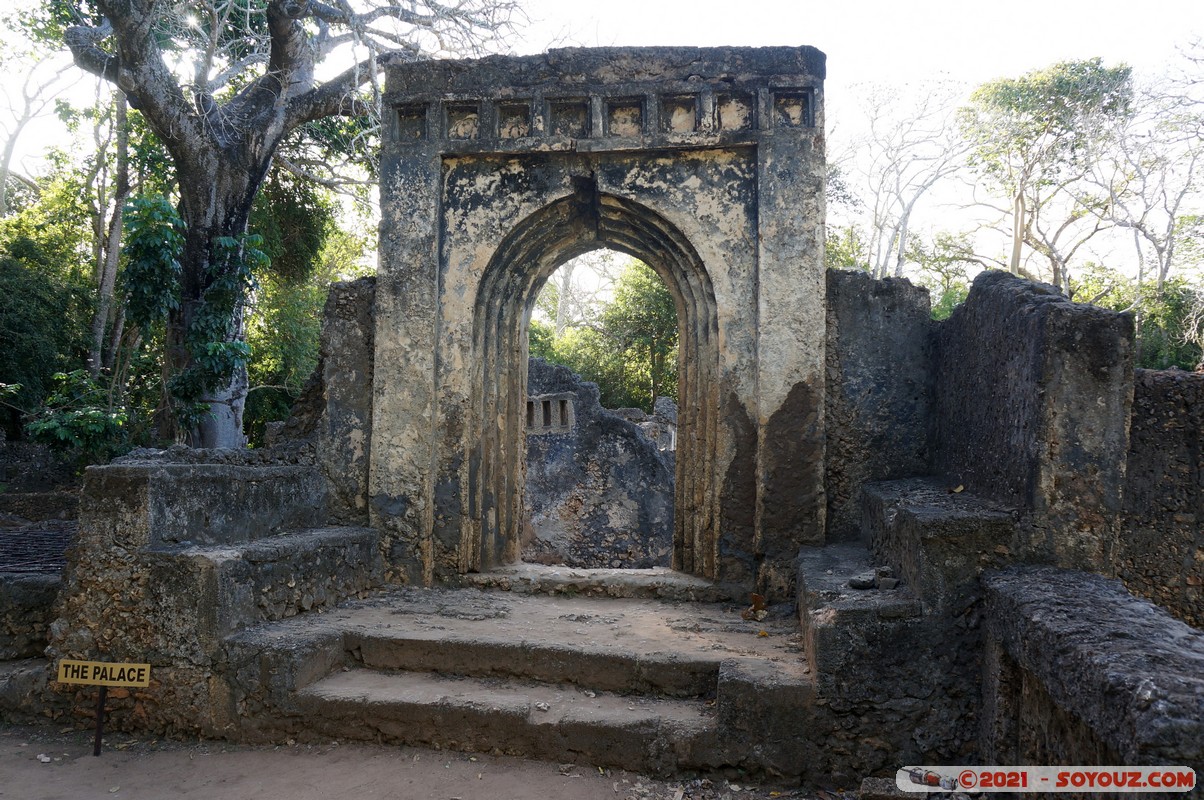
(1079, 671)
(880, 391)
(1025, 442)
(1033, 406)
(598, 490)
(1161, 552)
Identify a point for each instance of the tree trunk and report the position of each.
(216, 198)
(563, 289)
(107, 279)
(1018, 212)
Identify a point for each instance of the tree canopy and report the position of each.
(222, 84)
(627, 345)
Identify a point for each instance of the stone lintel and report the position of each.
(603, 99)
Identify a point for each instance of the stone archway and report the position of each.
(566, 228)
(705, 163)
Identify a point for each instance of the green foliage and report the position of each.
(44, 313)
(845, 248)
(46, 22)
(153, 241)
(295, 218)
(541, 340)
(943, 268)
(632, 352)
(283, 326)
(79, 417)
(642, 318)
(283, 336)
(1170, 330)
(1047, 117)
(53, 233)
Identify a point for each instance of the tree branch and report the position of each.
(83, 42)
(335, 97)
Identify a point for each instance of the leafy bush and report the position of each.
(78, 417)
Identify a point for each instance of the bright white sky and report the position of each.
(873, 40)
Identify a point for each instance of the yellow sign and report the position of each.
(103, 673)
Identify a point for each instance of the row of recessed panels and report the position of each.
(620, 117)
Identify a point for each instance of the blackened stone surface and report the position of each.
(895, 685)
(879, 400)
(599, 492)
(938, 540)
(1161, 549)
(1124, 679)
(26, 602)
(1033, 404)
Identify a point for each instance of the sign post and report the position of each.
(103, 674)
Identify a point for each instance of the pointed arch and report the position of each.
(583, 221)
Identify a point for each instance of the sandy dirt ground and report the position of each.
(45, 763)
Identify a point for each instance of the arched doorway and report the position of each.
(601, 417)
(525, 259)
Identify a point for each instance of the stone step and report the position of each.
(843, 626)
(474, 662)
(938, 538)
(600, 643)
(660, 583)
(604, 644)
(276, 577)
(654, 735)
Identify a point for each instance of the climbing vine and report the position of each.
(212, 339)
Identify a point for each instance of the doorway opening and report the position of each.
(586, 221)
(601, 416)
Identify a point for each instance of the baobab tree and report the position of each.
(222, 83)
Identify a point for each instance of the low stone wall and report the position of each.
(879, 397)
(1078, 671)
(26, 606)
(1033, 405)
(153, 502)
(172, 556)
(1161, 547)
(598, 491)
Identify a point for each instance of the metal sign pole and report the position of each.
(100, 719)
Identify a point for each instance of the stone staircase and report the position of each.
(902, 650)
(641, 683)
(652, 670)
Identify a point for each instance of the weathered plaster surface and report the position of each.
(708, 165)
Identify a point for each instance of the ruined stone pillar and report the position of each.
(401, 479)
(791, 308)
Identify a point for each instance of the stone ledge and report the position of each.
(939, 539)
(658, 582)
(136, 505)
(1125, 668)
(280, 576)
(840, 622)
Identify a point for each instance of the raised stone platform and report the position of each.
(639, 683)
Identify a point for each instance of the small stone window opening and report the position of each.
(549, 414)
